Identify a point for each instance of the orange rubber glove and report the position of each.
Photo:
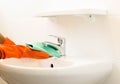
(10, 50)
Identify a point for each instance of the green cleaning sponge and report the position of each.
(49, 49)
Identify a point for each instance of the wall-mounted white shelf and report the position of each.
(72, 12)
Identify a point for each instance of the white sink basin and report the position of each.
(54, 71)
(34, 63)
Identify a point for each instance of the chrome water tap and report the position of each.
(60, 45)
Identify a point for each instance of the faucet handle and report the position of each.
(54, 36)
(60, 40)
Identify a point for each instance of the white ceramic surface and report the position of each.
(64, 71)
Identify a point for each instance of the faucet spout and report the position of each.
(60, 45)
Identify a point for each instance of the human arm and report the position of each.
(2, 39)
(8, 49)
(0, 55)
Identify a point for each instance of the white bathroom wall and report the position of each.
(84, 39)
(114, 20)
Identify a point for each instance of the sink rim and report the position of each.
(80, 65)
(5, 65)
